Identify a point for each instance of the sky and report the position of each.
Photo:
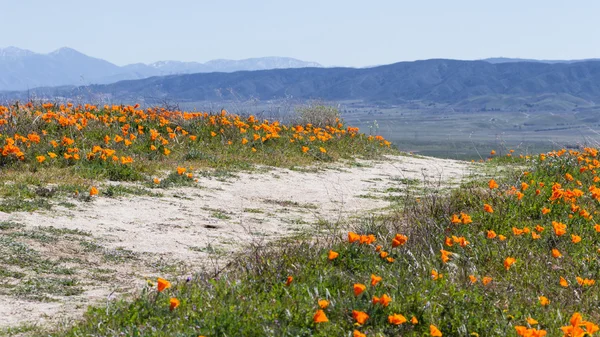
(334, 33)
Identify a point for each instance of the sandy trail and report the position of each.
(188, 226)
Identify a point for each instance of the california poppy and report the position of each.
(173, 303)
(396, 319)
(320, 317)
(360, 316)
(163, 284)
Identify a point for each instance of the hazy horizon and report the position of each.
(334, 33)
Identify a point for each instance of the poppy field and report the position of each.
(78, 146)
(514, 255)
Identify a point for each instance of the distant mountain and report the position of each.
(510, 60)
(22, 69)
(468, 85)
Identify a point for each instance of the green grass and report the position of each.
(253, 287)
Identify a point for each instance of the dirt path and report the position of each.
(83, 254)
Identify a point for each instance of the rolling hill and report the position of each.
(461, 84)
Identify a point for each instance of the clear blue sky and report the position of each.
(346, 33)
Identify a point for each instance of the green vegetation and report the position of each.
(491, 258)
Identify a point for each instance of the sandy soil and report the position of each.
(191, 227)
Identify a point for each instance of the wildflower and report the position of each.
(539, 228)
(375, 279)
(93, 191)
(322, 149)
(445, 255)
(491, 234)
(320, 317)
(52, 155)
(563, 282)
(501, 237)
(40, 159)
(465, 218)
(353, 237)
(156, 181)
(385, 300)
(486, 280)
(435, 275)
(575, 238)
(359, 288)
(455, 219)
(556, 253)
(473, 279)
(323, 304)
(390, 259)
(181, 170)
(399, 240)
(559, 228)
(397, 319)
(545, 210)
(544, 301)
(488, 208)
(383, 254)
(357, 333)
(493, 152)
(360, 316)
(173, 303)
(163, 284)
(585, 281)
(434, 331)
(597, 228)
(448, 242)
(509, 261)
(414, 320)
(289, 281)
(305, 149)
(332, 255)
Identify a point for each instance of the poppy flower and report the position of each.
(445, 255)
(488, 208)
(434, 331)
(156, 181)
(375, 279)
(435, 275)
(544, 301)
(353, 237)
(163, 284)
(491, 234)
(323, 304)
(509, 261)
(455, 219)
(320, 317)
(397, 319)
(575, 238)
(357, 333)
(288, 281)
(472, 278)
(399, 240)
(545, 210)
(358, 288)
(173, 303)
(492, 184)
(360, 316)
(556, 253)
(465, 218)
(332, 255)
(563, 282)
(559, 228)
(93, 191)
(486, 280)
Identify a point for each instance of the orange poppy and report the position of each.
(320, 317)
(359, 288)
(163, 284)
(397, 319)
(332, 255)
(173, 303)
(360, 316)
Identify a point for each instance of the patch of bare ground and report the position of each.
(57, 262)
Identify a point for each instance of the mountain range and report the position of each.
(462, 85)
(491, 84)
(22, 69)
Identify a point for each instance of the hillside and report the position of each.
(462, 84)
(23, 69)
